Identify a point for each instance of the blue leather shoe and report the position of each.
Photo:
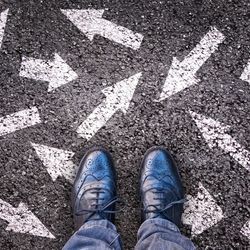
(160, 187)
(94, 190)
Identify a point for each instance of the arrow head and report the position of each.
(85, 20)
(179, 77)
(57, 161)
(122, 92)
(24, 221)
(201, 212)
(61, 73)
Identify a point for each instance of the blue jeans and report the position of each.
(158, 234)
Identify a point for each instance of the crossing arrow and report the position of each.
(3, 20)
(91, 23)
(215, 135)
(57, 161)
(182, 75)
(57, 72)
(118, 97)
(201, 212)
(245, 76)
(22, 220)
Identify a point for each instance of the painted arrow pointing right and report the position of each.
(182, 75)
(3, 20)
(118, 97)
(57, 72)
(91, 23)
(22, 220)
(215, 135)
(201, 212)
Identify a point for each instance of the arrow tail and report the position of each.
(96, 120)
(19, 120)
(201, 53)
(3, 20)
(120, 34)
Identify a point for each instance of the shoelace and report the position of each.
(159, 211)
(98, 207)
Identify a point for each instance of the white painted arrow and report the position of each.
(182, 75)
(56, 72)
(245, 76)
(201, 212)
(19, 120)
(118, 97)
(3, 20)
(91, 23)
(245, 230)
(58, 162)
(216, 135)
(22, 220)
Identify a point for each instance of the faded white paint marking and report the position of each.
(19, 120)
(58, 162)
(216, 135)
(201, 212)
(22, 220)
(182, 75)
(56, 72)
(91, 23)
(3, 20)
(246, 229)
(118, 97)
(245, 76)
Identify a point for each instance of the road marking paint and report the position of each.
(182, 75)
(3, 20)
(118, 97)
(215, 135)
(22, 220)
(245, 76)
(91, 23)
(246, 229)
(19, 120)
(201, 212)
(58, 162)
(57, 72)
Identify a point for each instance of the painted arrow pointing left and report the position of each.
(22, 220)
(91, 23)
(57, 72)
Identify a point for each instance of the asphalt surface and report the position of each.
(170, 28)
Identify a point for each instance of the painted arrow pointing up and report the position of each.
(182, 75)
(245, 76)
(215, 135)
(3, 20)
(57, 161)
(201, 212)
(118, 97)
(56, 72)
(22, 220)
(91, 23)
